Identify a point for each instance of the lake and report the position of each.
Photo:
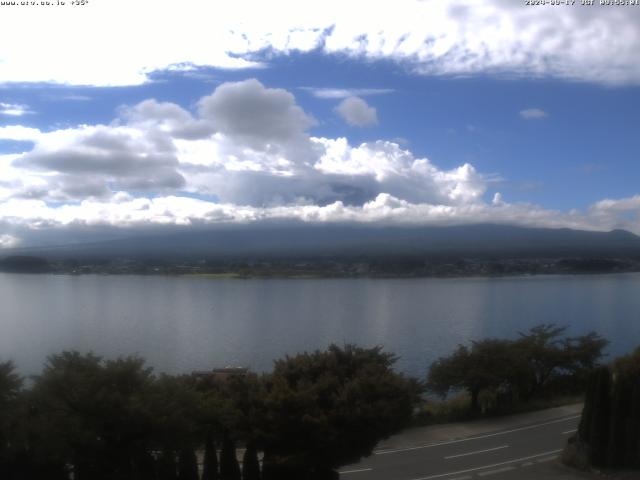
(180, 324)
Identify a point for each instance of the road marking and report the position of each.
(498, 470)
(570, 431)
(548, 459)
(466, 477)
(479, 437)
(355, 471)
(526, 464)
(460, 472)
(476, 452)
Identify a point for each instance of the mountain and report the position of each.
(482, 241)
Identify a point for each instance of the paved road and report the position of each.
(515, 448)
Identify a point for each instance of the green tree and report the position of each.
(10, 391)
(94, 413)
(550, 356)
(330, 408)
(542, 348)
(488, 364)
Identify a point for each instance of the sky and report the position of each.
(118, 117)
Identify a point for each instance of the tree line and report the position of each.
(87, 418)
(498, 374)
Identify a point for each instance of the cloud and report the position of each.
(8, 241)
(331, 93)
(14, 109)
(533, 114)
(356, 112)
(72, 97)
(254, 114)
(90, 160)
(431, 37)
(19, 133)
(159, 164)
(124, 211)
(167, 118)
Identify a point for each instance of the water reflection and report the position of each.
(182, 324)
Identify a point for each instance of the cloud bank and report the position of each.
(245, 155)
(587, 44)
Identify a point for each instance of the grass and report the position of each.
(457, 408)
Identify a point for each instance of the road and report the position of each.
(516, 448)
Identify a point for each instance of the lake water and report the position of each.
(180, 324)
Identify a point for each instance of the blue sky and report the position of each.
(420, 113)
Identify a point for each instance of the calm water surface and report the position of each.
(181, 324)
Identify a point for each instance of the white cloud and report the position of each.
(134, 172)
(14, 109)
(126, 212)
(332, 93)
(8, 241)
(533, 114)
(356, 112)
(19, 133)
(595, 44)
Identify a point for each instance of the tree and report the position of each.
(610, 423)
(488, 364)
(210, 462)
(229, 468)
(250, 464)
(187, 464)
(542, 348)
(94, 414)
(549, 356)
(10, 390)
(330, 408)
(167, 467)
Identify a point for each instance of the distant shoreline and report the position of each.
(320, 276)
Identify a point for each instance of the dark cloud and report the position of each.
(168, 118)
(104, 158)
(256, 115)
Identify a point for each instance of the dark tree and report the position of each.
(94, 413)
(549, 356)
(522, 368)
(620, 412)
(210, 462)
(542, 348)
(488, 364)
(167, 467)
(250, 463)
(330, 408)
(187, 464)
(229, 468)
(10, 390)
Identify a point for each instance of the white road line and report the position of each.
(476, 452)
(548, 459)
(526, 464)
(498, 470)
(570, 431)
(479, 437)
(355, 471)
(466, 477)
(459, 472)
